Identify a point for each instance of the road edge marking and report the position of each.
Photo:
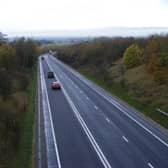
(43, 83)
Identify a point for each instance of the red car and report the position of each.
(55, 85)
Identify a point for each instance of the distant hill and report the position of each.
(97, 32)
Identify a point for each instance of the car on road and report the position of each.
(55, 85)
(50, 74)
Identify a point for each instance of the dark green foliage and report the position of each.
(5, 84)
(26, 52)
(163, 59)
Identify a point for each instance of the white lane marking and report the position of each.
(150, 165)
(125, 139)
(80, 91)
(96, 147)
(43, 83)
(87, 98)
(96, 107)
(107, 119)
(115, 104)
(39, 119)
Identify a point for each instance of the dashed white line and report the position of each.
(96, 107)
(125, 139)
(150, 165)
(107, 119)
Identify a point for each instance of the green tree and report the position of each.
(132, 56)
(26, 51)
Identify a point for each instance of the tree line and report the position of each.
(17, 59)
(112, 59)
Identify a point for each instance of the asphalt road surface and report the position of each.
(88, 128)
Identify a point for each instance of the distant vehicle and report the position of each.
(55, 85)
(50, 74)
(42, 58)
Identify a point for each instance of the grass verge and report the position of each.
(24, 155)
(122, 94)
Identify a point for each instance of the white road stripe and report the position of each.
(150, 165)
(125, 139)
(92, 140)
(107, 119)
(96, 107)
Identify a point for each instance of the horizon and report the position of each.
(93, 32)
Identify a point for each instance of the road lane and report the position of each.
(74, 148)
(142, 148)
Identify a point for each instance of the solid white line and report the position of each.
(39, 121)
(96, 107)
(96, 147)
(50, 116)
(125, 138)
(150, 165)
(115, 104)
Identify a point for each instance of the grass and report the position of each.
(24, 155)
(122, 93)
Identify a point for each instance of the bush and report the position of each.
(161, 75)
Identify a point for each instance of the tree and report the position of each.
(152, 52)
(132, 56)
(2, 38)
(26, 50)
(5, 84)
(7, 56)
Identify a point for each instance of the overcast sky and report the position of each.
(44, 15)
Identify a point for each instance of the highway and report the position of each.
(92, 129)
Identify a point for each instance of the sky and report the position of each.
(50, 15)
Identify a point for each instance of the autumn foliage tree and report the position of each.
(132, 56)
(152, 52)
